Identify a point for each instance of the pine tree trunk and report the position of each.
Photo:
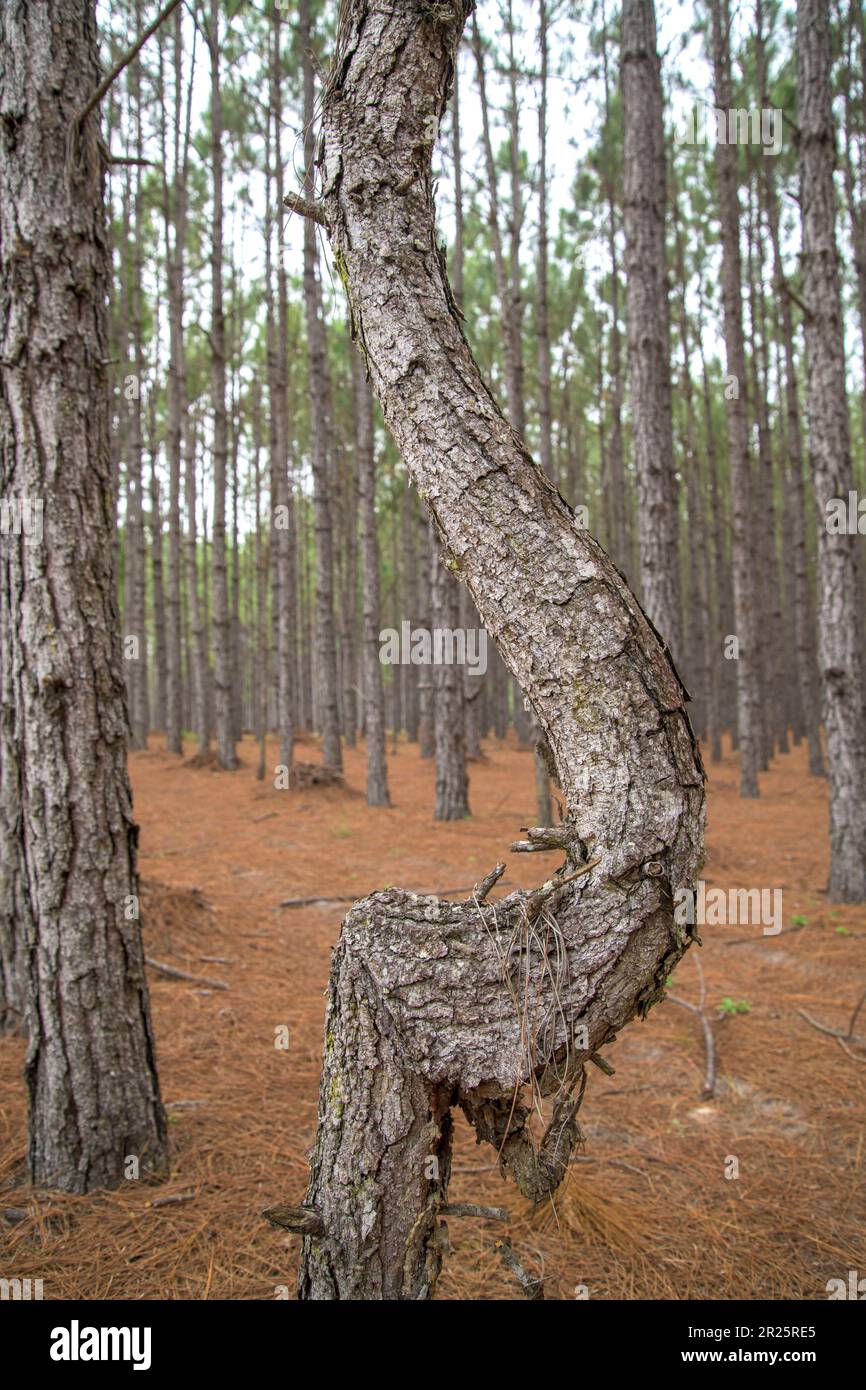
(326, 646)
(795, 491)
(613, 477)
(222, 680)
(69, 931)
(421, 1012)
(747, 664)
(374, 698)
(156, 574)
(839, 623)
(644, 205)
(283, 517)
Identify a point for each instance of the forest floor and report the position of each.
(646, 1211)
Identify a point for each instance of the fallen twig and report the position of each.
(173, 1199)
(838, 1033)
(709, 1087)
(532, 1287)
(174, 974)
(786, 931)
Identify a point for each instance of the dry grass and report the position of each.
(646, 1212)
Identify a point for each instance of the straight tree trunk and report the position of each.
(198, 628)
(326, 645)
(748, 667)
(174, 218)
(613, 476)
(839, 623)
(700, 618)
(222, 680)
(374, 698)
(70, 946)
(283, 519)
(156, 574)
(649, 347)
(795, 492)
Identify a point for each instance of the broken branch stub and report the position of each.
(435, 1004)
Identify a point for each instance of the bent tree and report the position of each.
(71, 962)
(491, 1007)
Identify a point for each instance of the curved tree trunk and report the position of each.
(434, 1004)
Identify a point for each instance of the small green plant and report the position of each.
(842, 931)
(800, 921)
(731, 1006)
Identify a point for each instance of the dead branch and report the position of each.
(124, 62)
(532, 1287)
(488, 882)
(472, 1209)
(709, 1087)
(837, 1033)
(302, 1221)
(174, 974)
(295, 203)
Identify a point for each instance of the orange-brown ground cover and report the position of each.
(647, 1210)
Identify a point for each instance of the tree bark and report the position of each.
(748, 670)
(839, 624)
(222, 682)
(69, 933)
(795, 492)
(374, 698)
(283, 526)
(326, 647)
(174, 217)
(649, 347)
(426, 1000)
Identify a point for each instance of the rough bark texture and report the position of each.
(449, 722)
(649, 346)
(803, 608)
(67, 837)
(282, 537)
(742, 549)
(326, 642)
(433, 1004)
(839, 651)
(222, 680)
(374, 697)
(174, 212)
